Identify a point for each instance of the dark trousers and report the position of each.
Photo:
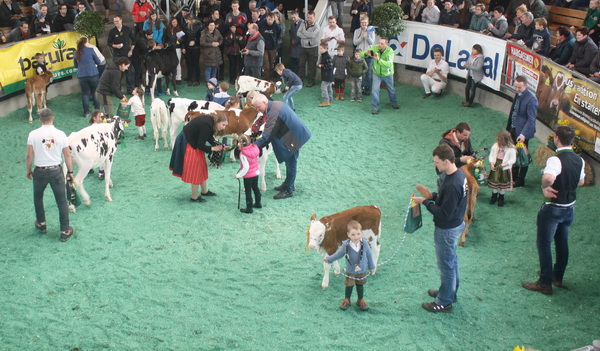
(309, 56)
(254, 71)
(269, 63)
(339, 84)
(470, 89)
(235, 67)
(519, 173)
(56, 179)
(294, 64)
(553, 223)
(192, 61)
(251, 185)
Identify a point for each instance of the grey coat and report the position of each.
(476, 68)
(309, 36)
(212, 55)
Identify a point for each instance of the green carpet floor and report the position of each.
(152, 271)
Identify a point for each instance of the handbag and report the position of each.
(523, 156)
(413, 220)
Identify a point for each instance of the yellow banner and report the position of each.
(17, 62)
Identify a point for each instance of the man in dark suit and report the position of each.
(521, 122)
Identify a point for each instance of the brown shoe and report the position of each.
(537, 286)
(64, 236)
(324, 103)
(465, 104)
(426, 95)
(41, 227)
(345, 304)
(342, 97)
(557, 283)
(362, 304)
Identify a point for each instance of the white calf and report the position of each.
(159, 116)
(92, 147)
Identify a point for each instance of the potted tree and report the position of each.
(388, 20)
(90, 24)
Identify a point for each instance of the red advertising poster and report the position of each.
(522, 62)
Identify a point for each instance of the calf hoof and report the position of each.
(166, 148)
(155, 149)
(176, 93)
(72, 209)
(108, 199)
(324, 287)
(336, 273)
(87, 203)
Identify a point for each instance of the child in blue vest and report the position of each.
(248, 155)
(357, 252)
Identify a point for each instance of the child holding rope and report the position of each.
(248, 155)
(502, 157)
(358, 258)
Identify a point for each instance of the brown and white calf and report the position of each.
(327, 234)
(246, 84)
(35, 90)
(472, 192)
(92, 147)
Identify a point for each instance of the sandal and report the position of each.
(64, 236)
(41, 227)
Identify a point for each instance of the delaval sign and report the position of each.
(414, 47)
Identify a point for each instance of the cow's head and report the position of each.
(118, 128)
(316, 233)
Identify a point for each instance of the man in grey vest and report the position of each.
(562, 175)
(253, 52)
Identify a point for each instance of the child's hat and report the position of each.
(213, 81)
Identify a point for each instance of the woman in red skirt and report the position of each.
(188, 160)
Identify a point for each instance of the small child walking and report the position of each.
(248, 155)
(292, 82)
(340, 71)
(326, 65)
(357, 67)
(137, 109)
(502, 157)
(358, 259)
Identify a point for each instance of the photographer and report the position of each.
(383, 69)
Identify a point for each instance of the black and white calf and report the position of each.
(158, 63)
(92, 147)
(179, 107)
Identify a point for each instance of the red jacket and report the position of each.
(137, 7)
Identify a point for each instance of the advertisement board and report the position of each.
(522, 62)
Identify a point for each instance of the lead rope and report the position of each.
(394, 254)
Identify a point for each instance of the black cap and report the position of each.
(186, 9)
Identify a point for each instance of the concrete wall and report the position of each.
(63, 88)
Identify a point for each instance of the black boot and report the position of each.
(248, 208)
(500, 200)
(257, 203)
(494, 198)
(521, 178)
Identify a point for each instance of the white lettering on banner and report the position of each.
(415, 47)
(523, 55)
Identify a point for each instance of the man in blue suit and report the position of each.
(521, 122)
(287, 133)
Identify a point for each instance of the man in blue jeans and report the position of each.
(562, 175)
(287, 133)
(383, 71)
(448, 207)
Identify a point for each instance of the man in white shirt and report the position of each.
(436, 77)
(333, 36)
(44, 148)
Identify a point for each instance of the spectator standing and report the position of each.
(436, 77)
(210, 41)
(254, 52)
(562, 175)
(46, 148)
(475, 74)
(63, 21)
(295, 46)
(564, 46)
(272, 34)
(158, 28)
(431, 13)
(359, 9)
(337, 9)
(140, 50)
(479, 21)
(540, 41)
(584, 52)
(499, 25)
(140, 11)
(326, 66)
(383, 71)
(448, 208)
(340, 72)
(122, 41)
(308, 33)
(86, 62)
(191, 49)
(174, 35)
(521, 122)
(416, 8)
(233, 44)
(357, 67)
(333, 36)
(237, 18)
(364, 39)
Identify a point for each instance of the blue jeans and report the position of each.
(368, 77)
(446, 241)
(389, 85)
(56, 178)
(88, 90)
(287, 97)
(290, 172)
(553, 223)
(210, 72)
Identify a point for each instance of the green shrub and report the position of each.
(89, 24)
(388, 19)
